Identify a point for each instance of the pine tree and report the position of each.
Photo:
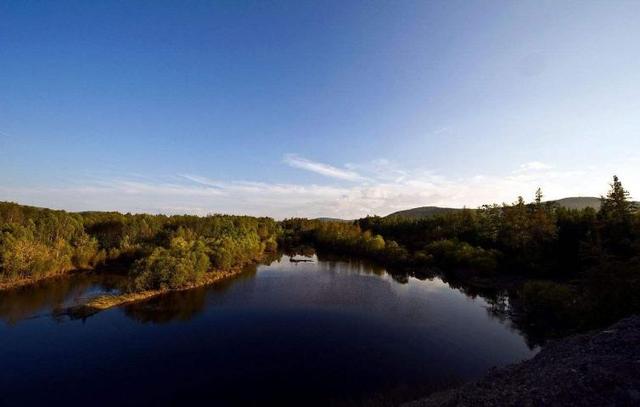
(539, 196)
(616, 206)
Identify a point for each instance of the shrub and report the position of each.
(548, 302)
(453, 253)
(22, 255)
(182, 264)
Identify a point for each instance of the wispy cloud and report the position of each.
(382, 187)
(201, 180)
(327, 170)
(380, 169)
(534, 166)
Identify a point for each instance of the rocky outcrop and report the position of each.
(595, 369)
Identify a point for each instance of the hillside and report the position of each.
(582, 202)
(576, 202)
(327, 219)
(421, 212)
(579, 202)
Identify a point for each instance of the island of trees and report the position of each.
(576, 268)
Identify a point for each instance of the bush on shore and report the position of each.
(182, 264)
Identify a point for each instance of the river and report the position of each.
(289, 333)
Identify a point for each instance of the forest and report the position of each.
(157, 251)
(577, 268)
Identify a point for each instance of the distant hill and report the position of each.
(582, 202)
(333, 220)
(578, 202)
(575, 202)
(421, 212)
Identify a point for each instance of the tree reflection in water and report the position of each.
(55, 293)
(501, 295)
(174, 306)
(48, 296)
(181, 305)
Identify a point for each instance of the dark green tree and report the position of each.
(616, 206)
(539, 197)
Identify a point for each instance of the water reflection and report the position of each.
(46, 297)
(181, 305)
(337, 331)
(177, 306)
(502, 296)
(52, 294)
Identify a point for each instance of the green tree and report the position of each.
(182, 264)
(539, 197)
(616, 206)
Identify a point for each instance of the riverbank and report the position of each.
(599, 368)
(24, 282)
(104, 302)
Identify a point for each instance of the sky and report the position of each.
(298, 108)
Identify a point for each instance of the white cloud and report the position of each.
(534, 166)
(320, 168)
(201, 180)
(380, 169)
(375, 193)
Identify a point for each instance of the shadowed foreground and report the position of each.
(600, 369)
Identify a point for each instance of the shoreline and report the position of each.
(28, 281)
(596, 368)
(108, 301)
(25, 282)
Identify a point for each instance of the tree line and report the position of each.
(157, 251)
(581, 266)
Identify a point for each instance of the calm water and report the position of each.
(289, 333)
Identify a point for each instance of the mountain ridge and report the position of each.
(573, 202)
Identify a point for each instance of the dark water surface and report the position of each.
(286, 334)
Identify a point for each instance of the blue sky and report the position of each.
(315, 108)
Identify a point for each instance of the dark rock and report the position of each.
(594, 369)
